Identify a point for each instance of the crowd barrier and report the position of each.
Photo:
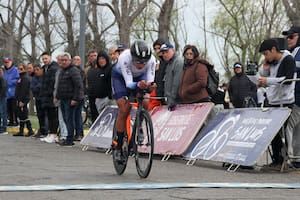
(238, 136)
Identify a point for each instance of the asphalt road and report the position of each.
(28, 162)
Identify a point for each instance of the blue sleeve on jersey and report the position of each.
(132, 85)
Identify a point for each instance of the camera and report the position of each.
(252, 68)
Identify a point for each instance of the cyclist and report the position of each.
(134, 71)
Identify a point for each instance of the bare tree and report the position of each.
(292, 8)
(240, 30)
(45, 8)
(164, 19)
(67, 13)
(125, 12)
(98, 28)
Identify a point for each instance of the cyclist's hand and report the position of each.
(152, 86)
(171, 107)
(142, 84)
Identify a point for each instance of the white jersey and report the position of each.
(129, 72)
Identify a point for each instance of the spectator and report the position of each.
(293, 126)
(3, 114)
(78, 110)
(92, 55)
(157, 54)
(36, 84)
(193, 83)
(172, 76)
(121, 48)
(61, 122)
(104, 93)
(29, 69)
(160, 64)
(49, 70)
(282, 66)
(23, 96)
(69, 93)
(99, 84)
(240, 87)
(11, 75)
(113, 55)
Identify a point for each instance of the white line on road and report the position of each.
(147, 186)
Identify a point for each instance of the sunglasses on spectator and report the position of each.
(291, 36)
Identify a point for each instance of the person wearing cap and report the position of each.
(3, 114)
(282, 67)
(240, 87)
(170, 80)
(11, 75)
(293, 126)
(121, 48)
(135, 70)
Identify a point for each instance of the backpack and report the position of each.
(212, 80)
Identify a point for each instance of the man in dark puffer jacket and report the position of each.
(69, 93)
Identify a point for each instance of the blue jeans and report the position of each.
(68, 113)
(3, 115)
(78, 119)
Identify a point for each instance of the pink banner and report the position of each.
(174, 131)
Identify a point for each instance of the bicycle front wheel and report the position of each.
(143, 144)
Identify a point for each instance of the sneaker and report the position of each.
(44, 138)
(30, 133)
(50, 139)
(296, 165)
(78, 138)
(65, 143)
(3, 132)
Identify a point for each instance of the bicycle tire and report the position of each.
(143, 144)
(118, 165)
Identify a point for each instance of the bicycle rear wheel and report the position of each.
(143, 144)
(120, 165)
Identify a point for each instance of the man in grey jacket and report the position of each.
(173, 73)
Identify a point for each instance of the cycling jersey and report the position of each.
(129, 72)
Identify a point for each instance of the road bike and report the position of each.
(139, 142)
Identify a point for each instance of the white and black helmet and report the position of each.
(140, 51)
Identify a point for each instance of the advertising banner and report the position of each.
(174, 131)
(100, 133)
(238, 136)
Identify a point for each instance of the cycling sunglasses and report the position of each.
(140, 62)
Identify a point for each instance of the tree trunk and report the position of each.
(292, 8)
(164, 20)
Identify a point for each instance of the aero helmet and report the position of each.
(140, 51)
